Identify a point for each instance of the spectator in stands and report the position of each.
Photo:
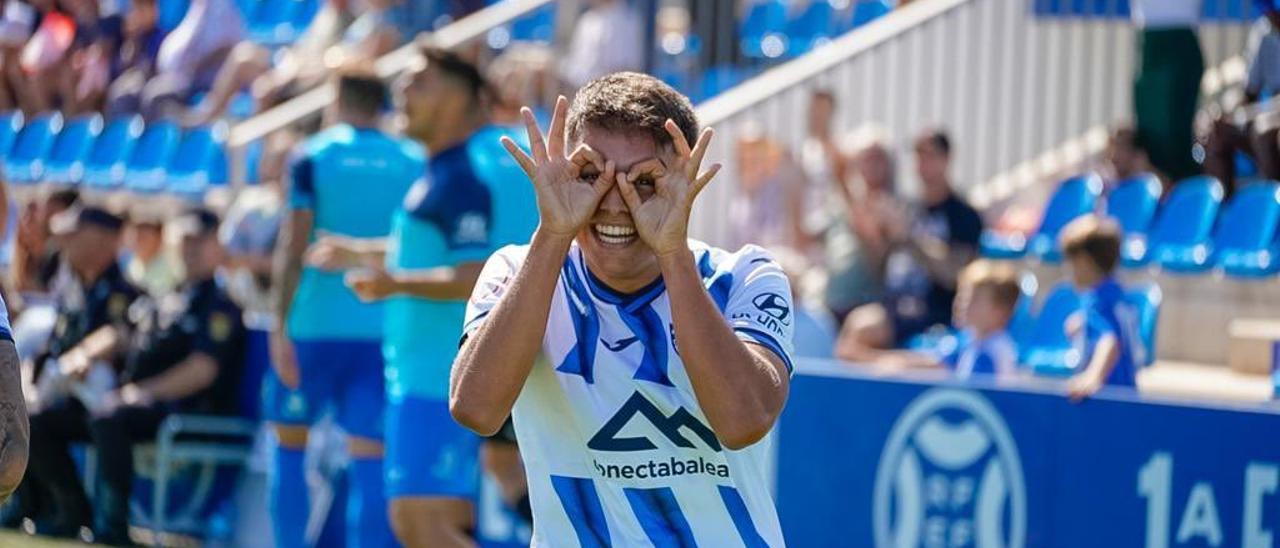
(186, 63)
(1102, 330)
(326, 346)
(1167, 85)
(93, 298)
(1253, 126)
(36, 258)
(815, 332)
(820, 160)
(986, 297)
(927, 251)
(768, 208)
(18, 21)
(184, 360)
(607, 38)
(135, 60)
(148, 265)
(252, 224)
(855, 243)
(1126, 155)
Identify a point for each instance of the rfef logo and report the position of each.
(950, 476)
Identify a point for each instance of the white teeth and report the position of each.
(615, 230)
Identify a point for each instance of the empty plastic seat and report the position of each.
(1046, 349)
(762, 29)
(105, 166)
(1179, 239)
(198, 161)
(1024, 319)
(24, 163)
(1132, 203)
(171, 13)
(866, 11)
(70, 150)
(717, 79)
(814, 26)
(1145, 300)
(144, 171)
(1075, 197)
(537, 26)
(1245, 241)
(269, 22)
(10, 125)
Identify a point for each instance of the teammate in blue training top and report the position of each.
(1104, 330)
(643, 371)
(471, 199)
(326, 347)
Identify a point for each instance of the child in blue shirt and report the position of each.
(986, 295)
(1101, 331)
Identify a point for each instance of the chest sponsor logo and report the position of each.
(680, 429)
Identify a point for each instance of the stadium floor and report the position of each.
(10, 539)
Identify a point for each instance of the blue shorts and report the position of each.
(428, 454)
(344, 375)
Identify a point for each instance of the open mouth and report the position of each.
(614, 235)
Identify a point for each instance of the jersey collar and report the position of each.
(629, 302)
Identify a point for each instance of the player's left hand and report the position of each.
(1083, 386)
(660, 195)
(370, 284)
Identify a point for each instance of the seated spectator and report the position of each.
(1126, 156)
(855, 244)
(92, 302)
(251, 225)
(607, 38)
(986, 297)
(18, 21)
(296, 68)
(767, 210)
(184, 360)
(186, 63)
(926, 252)
(134, 61)
(35, 257)
(1100, 331)
(148, 265)
(1252, 127)
(815, 332)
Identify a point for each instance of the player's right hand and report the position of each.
(568, 187)
(331, 254)
(283, 359)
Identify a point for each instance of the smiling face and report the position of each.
(609, 242)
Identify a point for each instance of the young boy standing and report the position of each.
(1102, 330)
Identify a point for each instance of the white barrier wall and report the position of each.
(1007, 86)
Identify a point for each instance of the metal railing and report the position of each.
(312, 102)
(1005, 84)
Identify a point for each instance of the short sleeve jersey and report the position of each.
(617, 449)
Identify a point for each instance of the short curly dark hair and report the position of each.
(630, 101)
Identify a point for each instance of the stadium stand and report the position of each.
(1075, 197)
(1132, 203)
(1180, 237)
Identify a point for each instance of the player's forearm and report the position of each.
(446, 283)
(496, 359)
(14, 429)
(1103, 361)
(740, 391)
(290, 248)
(101, 344)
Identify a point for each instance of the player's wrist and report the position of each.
(675, 257)
(550, 240)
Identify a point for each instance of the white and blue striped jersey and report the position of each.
(616, 448)
(995, 354)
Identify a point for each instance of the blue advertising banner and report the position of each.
(895, 463)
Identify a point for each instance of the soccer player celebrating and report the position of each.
(465, 203)
(643, 370)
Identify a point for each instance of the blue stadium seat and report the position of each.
(65, 164)
(24, 164)
(812, 28)
(1024, 320)
(718, 79)
(269, 22)
(171, 13)
(1075, 197)
(538, 26)
(1179, 240)
(1146, 300)
(761, 30)
(105, 164)
(10, 124)
(199, 161)
(1047, 350)
(1132, 203)
(866, 11)
(144, 172)
(1245, 241)
(303, 12)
